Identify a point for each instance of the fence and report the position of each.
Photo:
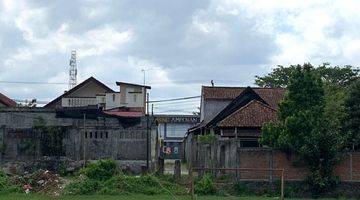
(236, 170)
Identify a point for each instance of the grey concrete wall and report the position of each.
(122, 143)
(211, 108)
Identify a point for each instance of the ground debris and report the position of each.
(42, 181)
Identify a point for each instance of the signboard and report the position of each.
(171, 150)
(177, 119)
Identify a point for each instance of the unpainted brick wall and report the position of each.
(348, 168)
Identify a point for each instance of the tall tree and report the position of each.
(336, 81)
(330, 75)
(303, 129)
(352, 122)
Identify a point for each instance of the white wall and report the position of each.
(134, 99)
(112, 100)
(78, 102)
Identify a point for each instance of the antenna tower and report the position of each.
(73, 70)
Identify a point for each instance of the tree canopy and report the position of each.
(330, 75)
(352, 119)
(303, 127)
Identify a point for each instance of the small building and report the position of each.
(235, 115)
(6, 101)
(237, 112)
(172, 130)
(91, 92)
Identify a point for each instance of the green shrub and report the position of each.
(86, 186)
(205, 186)
(240, 189)
(207, 138)
(125, 184)
(101, 170)
(6, 186)
(3, 180)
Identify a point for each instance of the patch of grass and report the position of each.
(131, 197)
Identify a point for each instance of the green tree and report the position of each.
(336, 82)
(352, 119)
(330, 75)
(303, 129)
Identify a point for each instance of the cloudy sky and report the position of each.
(182, 44)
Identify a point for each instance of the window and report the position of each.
(85, 134)
(135, 97)
(113, 97)
(95, 134)
(176, 130)
(106, 134)
(101, 134)
(90, 134)
(69, 102)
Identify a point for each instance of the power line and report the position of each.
(34, 82)
(175, 99)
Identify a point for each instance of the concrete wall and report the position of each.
(110, 137)
(227, 153)
(210, 108)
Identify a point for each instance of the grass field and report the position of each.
(128, 197)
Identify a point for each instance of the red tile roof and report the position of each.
(254, 114)
(271, 95)
(7, 101)
(124, 113)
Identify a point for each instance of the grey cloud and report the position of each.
(164, 34)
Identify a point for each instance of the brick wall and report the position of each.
(208, 155)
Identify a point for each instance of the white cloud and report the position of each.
(185, 43)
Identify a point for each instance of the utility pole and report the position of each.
(147, 133)
(84, 140)
(152, 109)
(144, 72)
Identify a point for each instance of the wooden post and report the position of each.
(192, 185)
(282, 185)
(177, 170)
(351, 165)
(160, 165)
(236, 133)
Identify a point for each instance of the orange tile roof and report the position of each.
(271, 95)
(254, 114)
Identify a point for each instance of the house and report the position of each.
(6, 101)
(172, 130)
(90, 92)
(131, 96)
(93, 93)
(235, 116)
(91, 122)
(237, 112)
